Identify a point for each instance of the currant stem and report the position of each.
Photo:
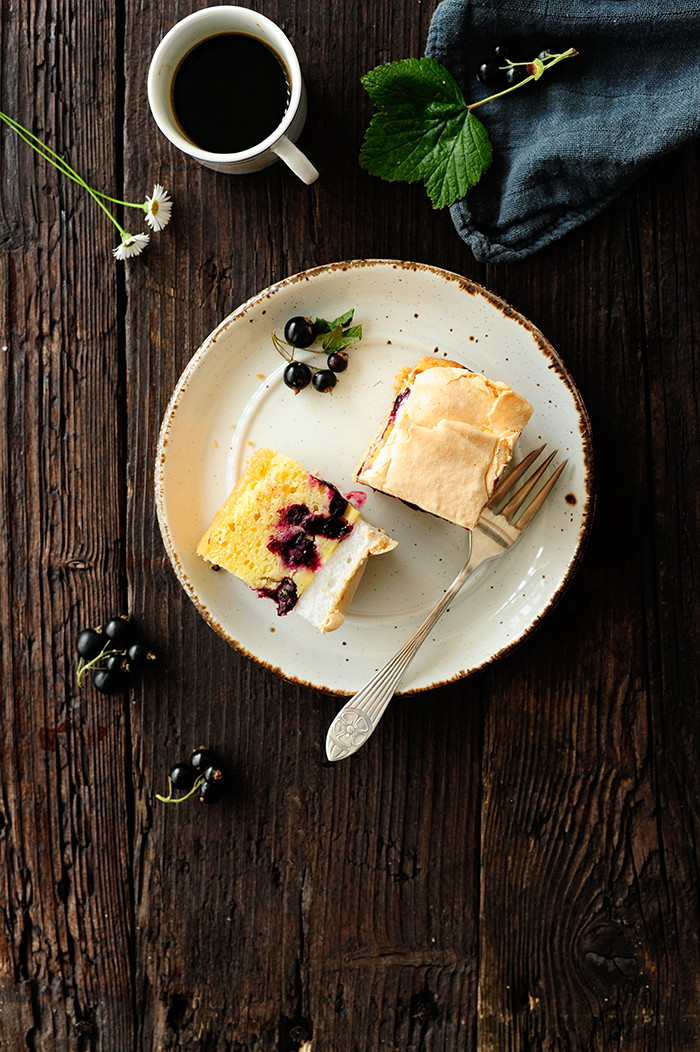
(170, 799)
(85, 666)
(551, 61)
(280, 346)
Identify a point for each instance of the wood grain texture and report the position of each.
(65, 911)
(582, 945)
(512, 864)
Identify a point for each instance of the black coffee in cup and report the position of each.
(229, 93)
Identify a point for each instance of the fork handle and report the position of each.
(360, 715)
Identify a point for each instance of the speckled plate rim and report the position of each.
(267, 294)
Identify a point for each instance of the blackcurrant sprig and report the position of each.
(170, 799)
(334, 336)
(502, 70)
(110, 653)
(204, 775)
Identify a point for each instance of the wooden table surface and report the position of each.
(512, 862)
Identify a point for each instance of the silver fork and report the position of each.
(494, 534)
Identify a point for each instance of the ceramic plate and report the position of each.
(231, 400)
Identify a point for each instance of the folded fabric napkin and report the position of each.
(568, 144)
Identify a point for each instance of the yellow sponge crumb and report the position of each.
(238, 538)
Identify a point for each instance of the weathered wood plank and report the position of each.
(587, 855)
(65, 914)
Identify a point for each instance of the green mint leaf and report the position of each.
(352, 334)
(334, 340)
(423, 130)
(344, 319)
(325, 326)
(339, 338)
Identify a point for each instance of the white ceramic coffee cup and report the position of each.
(180, 40)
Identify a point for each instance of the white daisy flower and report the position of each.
(158, 208)
(132, 245)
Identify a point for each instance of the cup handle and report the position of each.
(295, 159)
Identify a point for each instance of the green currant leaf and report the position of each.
(423, 130)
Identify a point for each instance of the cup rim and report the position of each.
(291, 63)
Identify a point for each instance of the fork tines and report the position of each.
(519, 498)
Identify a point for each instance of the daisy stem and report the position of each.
(96, 197)
(127, 204)
(62, 166)
(45, 151)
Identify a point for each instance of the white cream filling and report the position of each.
(325, 600)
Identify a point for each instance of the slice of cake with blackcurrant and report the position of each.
(293, 538)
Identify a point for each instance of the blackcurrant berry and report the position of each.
(513, 75)
(297, 376)
(324, 380)
(202, 758)
(213, 774)
(544, 55)
(338, 361)
(119, 631)
(501, 52)
(183, 776)
(89, 643)
(489, 73)
(107, 681)
(211, 792)
(117, 663)
(300, 332)
(139, 656)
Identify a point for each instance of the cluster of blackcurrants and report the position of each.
(203, 776)
(111, 652)
(507, 65)
(301, 333)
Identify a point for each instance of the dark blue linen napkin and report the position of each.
(568, 144)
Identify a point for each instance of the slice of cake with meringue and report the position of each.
(293, 538)
(445, 440)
